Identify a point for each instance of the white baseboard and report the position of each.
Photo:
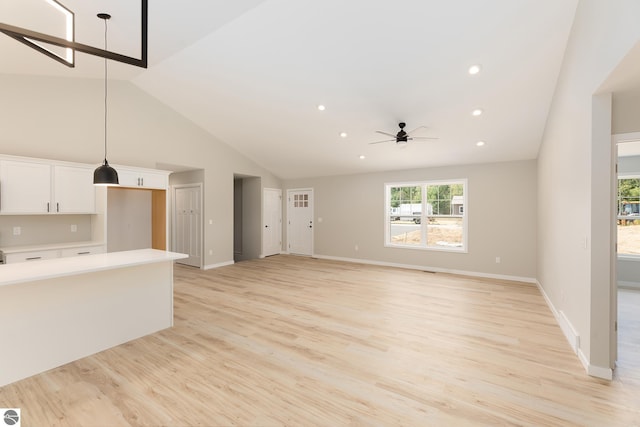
(570, 333)
(218, 265)
(427, 268)
(600, 372)
(573, 337)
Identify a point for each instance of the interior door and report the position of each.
(272, 222)
(300, 221)
(187, 219)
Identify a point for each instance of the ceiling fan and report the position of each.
(402, 137)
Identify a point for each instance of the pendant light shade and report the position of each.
(105, 174)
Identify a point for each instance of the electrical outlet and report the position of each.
(210, 251)
(74, 228)
(17, 231)
(357, 248)
(498, 260)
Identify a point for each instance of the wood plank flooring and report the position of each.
(304, 342)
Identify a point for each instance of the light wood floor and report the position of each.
(303, 342)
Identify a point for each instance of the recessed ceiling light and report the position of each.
(321, 107)
(362, 157)
(477, 112)
(474, 69)
(480, 143)
(343, 134)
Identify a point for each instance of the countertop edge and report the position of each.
(12, 274)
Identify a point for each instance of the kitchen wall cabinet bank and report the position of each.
(142, 178)
(39, 187)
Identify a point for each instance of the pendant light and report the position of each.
(105, 174)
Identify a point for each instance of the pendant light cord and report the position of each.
(105, 93)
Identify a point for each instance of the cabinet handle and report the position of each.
(84, 253)
(47, 206)
(33, 258)
(142, 181)
(57, 207)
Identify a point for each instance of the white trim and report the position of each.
(573, 338)
(600, 372)
(628, 285)
(430, 269)
(218, 265)
(464, 249)
(570, 333)
(626, 137)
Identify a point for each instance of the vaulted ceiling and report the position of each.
(252, 73)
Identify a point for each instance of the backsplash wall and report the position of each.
(44, 229)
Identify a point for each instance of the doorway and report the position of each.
(628, 252)
(187, 223)
(247, 217)
(272, 219)
(300, 221)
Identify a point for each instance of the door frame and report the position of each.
(174, 217)
(264, 218)
(313, 209)
(615, 140)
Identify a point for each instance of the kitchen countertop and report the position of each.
(11, 274)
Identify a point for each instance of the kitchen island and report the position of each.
(55, 311)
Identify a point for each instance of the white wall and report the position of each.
(501, 209)
(62, 118)
(626, 112)
(574, 177)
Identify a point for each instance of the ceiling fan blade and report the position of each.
(379, 142)
(386, 133)
(422, 138)
(419, 127)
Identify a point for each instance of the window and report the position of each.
(427, 215)
(629, 215)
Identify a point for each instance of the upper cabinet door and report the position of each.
(25, 187)
(74, 191)
(142, 178)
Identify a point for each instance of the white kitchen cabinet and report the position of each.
(25, 187)
(73, 189)
(142, 178)
(39, 187)
(82, 250)
(36, 253)
(30, 256)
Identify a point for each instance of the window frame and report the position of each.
(423, 218)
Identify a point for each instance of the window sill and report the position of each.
(458, 250)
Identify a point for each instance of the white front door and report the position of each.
(272, 222)
(300, 221)
(187, 223)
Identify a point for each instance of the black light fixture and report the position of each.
(105, 174)
(34, 39)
